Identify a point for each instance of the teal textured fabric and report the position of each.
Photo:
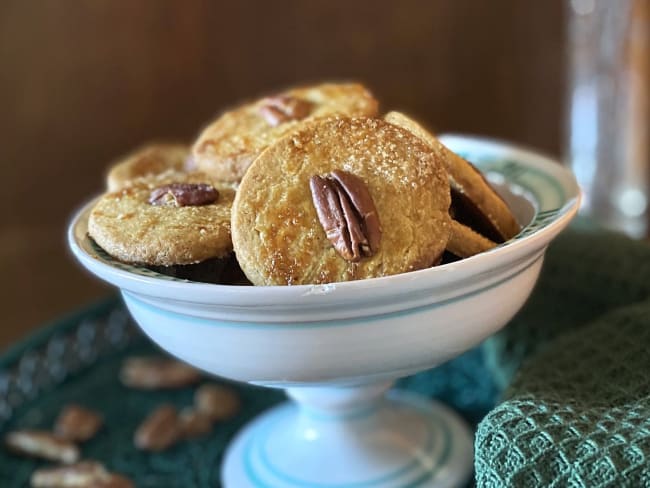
(577, 413)
(586, 273)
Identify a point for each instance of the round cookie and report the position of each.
(475, 201)
(227, 147)
(278, 233)
(149, 160)
(161, 233)
(464, 242)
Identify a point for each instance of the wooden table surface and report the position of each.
(82, 83)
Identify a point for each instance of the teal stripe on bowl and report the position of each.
(318, 324)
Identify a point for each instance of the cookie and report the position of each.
(149, 160)
(174, 219)
(475, 202)
(464, 242)
(342, 199)
(227, 147)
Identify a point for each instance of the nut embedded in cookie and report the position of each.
(170, 220)
(184, 194)
(283, 108)
(347, 213)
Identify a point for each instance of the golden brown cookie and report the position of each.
(464, 242)
(149, 160)
(168, 220)
(475, 202)
(342, 199)
(228, 146)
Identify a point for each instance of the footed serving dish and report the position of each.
(337, 348)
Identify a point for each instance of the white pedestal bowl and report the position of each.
(337, 348)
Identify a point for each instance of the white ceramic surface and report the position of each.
(338, 341)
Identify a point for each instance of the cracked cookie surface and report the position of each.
(277, 235)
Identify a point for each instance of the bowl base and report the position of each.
(402, 440)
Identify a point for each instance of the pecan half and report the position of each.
(183, 195)
(216, 402)
(115, 481)
(347, 214)
(159, 430)
(84, 473)
(282, 108)
(194, 423)
(152, 373)
(42, 444)
(77, 424)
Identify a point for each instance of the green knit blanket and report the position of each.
(576, 412)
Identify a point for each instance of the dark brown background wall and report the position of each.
(81, 82)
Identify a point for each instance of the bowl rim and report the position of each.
(429, 278)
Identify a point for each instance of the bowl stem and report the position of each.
(354, 437)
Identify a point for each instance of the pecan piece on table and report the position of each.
(159, 430)
(347, 214)
(77, 424)
(283, 108)
(42, 444)
(84, 473)
(216, 402)
(194, 423)
(151, 373)
(115, 481)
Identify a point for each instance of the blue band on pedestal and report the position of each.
(255, 448)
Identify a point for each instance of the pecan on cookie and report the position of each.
(169, 220)
(279, 237)
(227, 147)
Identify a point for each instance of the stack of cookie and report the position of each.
(308, 186)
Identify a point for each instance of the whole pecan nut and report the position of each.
(159, 430)
(115, 481)
(77, 424)
(84, 473)
(282, 108)
(347, 213)
(216, 402)
(194, 423)
(42, 444)
(151, 373)
(184, 195)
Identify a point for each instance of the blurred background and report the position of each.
(81, 83)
